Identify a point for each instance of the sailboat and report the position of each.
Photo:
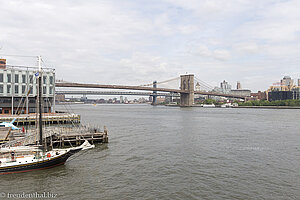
(28, 158)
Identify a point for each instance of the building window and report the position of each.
(51, 90)
(23, 78)
(7, 100)
(31, 79)
(16, 89)
(31, 89)
(8, 78)
(8, 89)
(6, 111)
(1, 77)
(23, 89)
(44, 79)
(16, 78)
(1, 88)
(44, 89)
(31, 110)
(51, 80)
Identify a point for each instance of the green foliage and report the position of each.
(289, 102)
(209, 101)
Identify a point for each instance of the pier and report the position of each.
(48, 118)
(54, 136)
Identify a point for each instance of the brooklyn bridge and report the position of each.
(185, 89)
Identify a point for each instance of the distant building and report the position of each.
(259, 95)
(160, 99)
(238, 85)
(2, 63)
(225, 86)
(60, 98)
(18, 89)
(286, 89)
(296, 93)
(280, 95)
(287, 81)
(197, 87)
(126, 100)
(241, 92)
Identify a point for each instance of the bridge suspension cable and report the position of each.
(204, 85)
(169, 80)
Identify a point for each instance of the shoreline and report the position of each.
(255, 107)
(270, 107)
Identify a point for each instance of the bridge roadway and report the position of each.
(70, 92)
(85, 85)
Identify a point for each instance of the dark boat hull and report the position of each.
(59, 160)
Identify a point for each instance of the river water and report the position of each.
(157, 152)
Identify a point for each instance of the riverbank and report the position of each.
(270, 107)
(257, 107)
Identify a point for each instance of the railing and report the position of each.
(31, 138)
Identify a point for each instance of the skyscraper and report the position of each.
(286, 81)
(238, 85)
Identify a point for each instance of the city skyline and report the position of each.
(137, 42)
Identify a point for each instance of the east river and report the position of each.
(157, 152)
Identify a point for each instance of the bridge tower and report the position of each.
(154, 102)
(187, 83)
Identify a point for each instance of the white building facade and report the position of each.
(18, 89)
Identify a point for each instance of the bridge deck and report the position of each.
(84, 85)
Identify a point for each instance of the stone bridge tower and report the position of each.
(187, 83)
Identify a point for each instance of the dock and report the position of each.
(48, 118)
(58, 137)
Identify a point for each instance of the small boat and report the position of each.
(209, 106)
(27, 158)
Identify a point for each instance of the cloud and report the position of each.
(246, 48)
(205, 52)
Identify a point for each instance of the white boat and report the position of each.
(209, 105)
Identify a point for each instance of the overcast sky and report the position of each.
(137, 41)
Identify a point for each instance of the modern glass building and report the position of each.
(18, 89)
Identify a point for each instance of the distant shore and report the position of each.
(257, 107)
(270, 107)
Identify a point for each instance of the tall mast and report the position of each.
(40, 98)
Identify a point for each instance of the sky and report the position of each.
(134, 42)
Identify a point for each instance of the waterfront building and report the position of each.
(18, 89)
(160, 99)
(259, 95)
(285, 90)
(280, 95)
